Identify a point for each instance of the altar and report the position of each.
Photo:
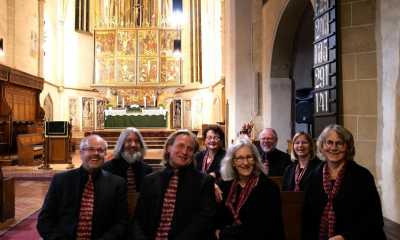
(144, 118)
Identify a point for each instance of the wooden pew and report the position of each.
(7, 199)
(30, 148)
(292, 205)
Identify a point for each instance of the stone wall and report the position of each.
(359, 77)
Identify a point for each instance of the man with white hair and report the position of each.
(128, 163)
(275, 161)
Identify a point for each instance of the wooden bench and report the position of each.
(292, 206)
(30, 148)
(7, 198)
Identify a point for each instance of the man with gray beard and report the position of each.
(128, 163)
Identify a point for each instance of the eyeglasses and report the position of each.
(92, 150)
(338, 144)
(215, 138)
(241, 159)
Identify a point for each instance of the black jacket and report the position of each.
(288, 183)
(215, 165)
(194, 207)
(261, 215)
(118, 166)
(59, 216)
(357, 206)
(277, 160)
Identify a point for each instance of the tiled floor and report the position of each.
(29, 197)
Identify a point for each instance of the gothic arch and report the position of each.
(280, 87)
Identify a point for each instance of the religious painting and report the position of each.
(187, 114)
(148, 70)
(104, 70)
(104, 43)
(125, 70)
(197, 113)
(48, 108)
(73, 114)
(177, 114)
(88, 113)
(170, 70)
(126, 43)
(100, 105)
(167, 38)
(147, 43)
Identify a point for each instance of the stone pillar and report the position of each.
(388, 151)
(238, 64)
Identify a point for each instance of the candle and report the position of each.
(144, 100)
(154, 100)
(123, 102)
(117, 101)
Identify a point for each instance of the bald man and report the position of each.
(274, 160)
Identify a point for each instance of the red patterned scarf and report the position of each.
(298, 175)
(244, 194)
(84, 229)
(206, 164)
(328, 218)
(168, 208)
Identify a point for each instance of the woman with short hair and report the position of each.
(341, 202)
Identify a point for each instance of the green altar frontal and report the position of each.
(139, 121)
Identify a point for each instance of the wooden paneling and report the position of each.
(58, 150)
(20, 110)
(30, 148)
(23, 101)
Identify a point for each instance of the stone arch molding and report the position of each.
(280, 32)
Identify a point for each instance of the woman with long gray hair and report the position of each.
(247, 194)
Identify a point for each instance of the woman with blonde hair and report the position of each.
(297, 174)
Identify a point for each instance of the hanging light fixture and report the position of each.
(177, 18)
(177, 48)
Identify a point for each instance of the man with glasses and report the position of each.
(274, 160)
(85, 203)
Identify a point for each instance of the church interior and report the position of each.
(72, 68)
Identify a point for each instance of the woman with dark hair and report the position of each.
(297, 174)
(341, 201)
(209, 159)
(247, 194)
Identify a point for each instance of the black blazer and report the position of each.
(261, 215)
(215, 165)
(277, 160)
(118, 166)
(289, 174)
(357, 206)
(59, 216)
(194, 207)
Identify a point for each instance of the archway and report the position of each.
(291, 65)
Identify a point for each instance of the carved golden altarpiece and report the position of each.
(134, 44)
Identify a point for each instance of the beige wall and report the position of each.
(21, 40)
(388, 85)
